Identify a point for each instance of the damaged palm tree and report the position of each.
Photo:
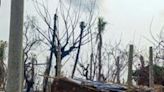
(82, 27)
(2, 65)
(101, 27)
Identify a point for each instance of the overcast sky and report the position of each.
(128, 19)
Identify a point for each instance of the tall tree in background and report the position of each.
(15, 60)
(101, 26)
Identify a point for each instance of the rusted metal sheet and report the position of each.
(77, 85)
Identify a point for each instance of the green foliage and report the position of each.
(158, 71)
(143, 73)
(101, 26)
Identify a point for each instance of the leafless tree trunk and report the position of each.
(151, 77)
(58, 58)
(82, 26)
(49, 61)
(15, 61)
(130, 61)
(101, 26)
(91, 65)
(99, 58)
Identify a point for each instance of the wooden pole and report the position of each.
(151, 77)
(15, 60)
(130, 61)
(118, 69)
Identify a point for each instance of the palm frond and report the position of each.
(101, 24)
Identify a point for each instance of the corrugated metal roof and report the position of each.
(101, 86)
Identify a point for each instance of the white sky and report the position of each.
(132, 18)
(128, 19)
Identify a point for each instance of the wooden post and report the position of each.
(130, 61)
(118, 69)
(15, 60)
(151, 77)
(58, 60)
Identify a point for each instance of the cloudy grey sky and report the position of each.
(128, 19)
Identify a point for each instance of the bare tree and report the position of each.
(82, 26)
(115, 58)
(84, 71)
(31, 43)
(62, 40)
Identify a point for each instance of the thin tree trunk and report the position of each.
(91, 62)
(82, 26)
(101, 26)
(15, 60)
(99, 56)
(130, 61)
(151, 77)
(91, 56)
(49, 62)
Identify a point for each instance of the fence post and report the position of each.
(151, 77)
(130, 60)
(118, 69)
